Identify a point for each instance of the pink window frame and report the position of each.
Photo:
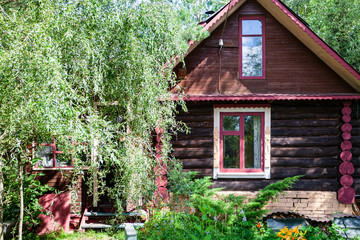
(53, 145)
(241, 134)
(262, 19)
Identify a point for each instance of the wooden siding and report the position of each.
(304, 141)
(290, 66)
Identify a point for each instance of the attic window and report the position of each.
(252, 47)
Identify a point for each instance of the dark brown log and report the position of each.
(193, 143)
(346, 195)
(346, 156)
(197, 163)
(304, 152)
(302, 115)
(355, 140)
(304, 123)
(309, 173)
(346, 180)
(295, 132)
(308, 162)
(346, 168)
(201, 172)
(346, 146)
(193, 152)
(307, 141)
(195, 118)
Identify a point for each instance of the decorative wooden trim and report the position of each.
(346, 193)
(264, 171)
(242, 105)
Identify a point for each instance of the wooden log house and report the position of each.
(268, 99)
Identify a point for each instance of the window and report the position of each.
(51, 155)
(252, 47)
(242, 141)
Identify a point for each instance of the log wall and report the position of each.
(355, 141)
(304, 141)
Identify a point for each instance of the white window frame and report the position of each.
(267, 144)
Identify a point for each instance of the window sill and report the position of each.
(241, 175)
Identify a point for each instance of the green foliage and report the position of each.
(32, 190)
(90, 69)
(197, 212)
(254, 207)
(335, 21)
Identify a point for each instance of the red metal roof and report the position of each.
(269, 97)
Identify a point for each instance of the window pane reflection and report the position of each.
(45, 153)
(252, 138)
(231, 151)
(252, 56)
(231, 123)
(251, 27)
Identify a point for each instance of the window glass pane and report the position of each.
(231, 123)
(251, 27)
(252, 138)
(231, 154)
(252, 56)
(63, 160)
(45, 153)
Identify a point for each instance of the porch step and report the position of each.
(104, 225)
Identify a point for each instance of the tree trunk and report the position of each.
(21, 218)
(1, 199)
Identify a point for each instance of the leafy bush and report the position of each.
(197, 212)
(32, 190)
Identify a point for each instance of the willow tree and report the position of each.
(89, 69)
(335, 21)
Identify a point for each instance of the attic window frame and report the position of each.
(253, 17)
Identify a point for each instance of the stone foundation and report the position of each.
(320, 206)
